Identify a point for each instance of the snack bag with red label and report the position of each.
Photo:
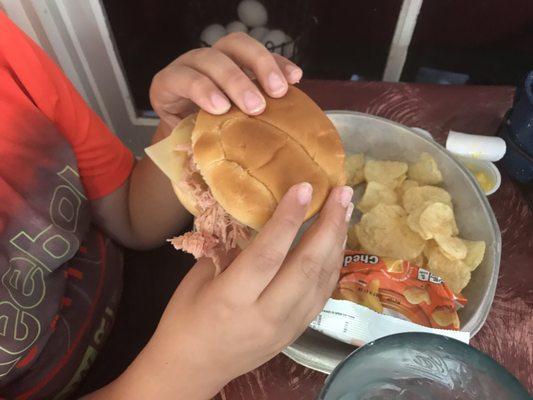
(378, 296)
(400, 289)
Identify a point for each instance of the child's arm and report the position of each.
(144, 210)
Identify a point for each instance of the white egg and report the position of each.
(212, 33)
(273, 39)
(259, 33)
(252, 13)
(288, 49)
(236, 26)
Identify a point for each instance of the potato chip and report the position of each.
(475, 251)
(445, 317)
(376, 193)
(425, 171)
(430, 246)
(452, 247)
(399, 181)
(413, 221)
(405, 186)
(373, 286)
(354, 166)
(437, 219)
(370, 298)
(416, 295)
(393, 265)
(383, 231)
(454, 272)
(455, 229)
(390, 210)
(347, 292)
(419, 261)
(415, 197)
(389, 173)
(352, 243)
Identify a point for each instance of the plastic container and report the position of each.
(520, 123)
(488, 170)
(420, 366)
(517, 163)
(384, 139)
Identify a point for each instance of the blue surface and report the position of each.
(516, 162)
(520, 123)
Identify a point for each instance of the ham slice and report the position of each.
(196, 243)
(215, 231)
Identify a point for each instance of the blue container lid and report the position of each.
(520, 122)
(517, 163)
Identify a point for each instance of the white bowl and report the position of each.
(487, 167)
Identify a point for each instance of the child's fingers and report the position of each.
(249, 53)
(173, 113)
(181, 81)
(209, 76)
(170, 119)
(221, 69)
(292, 72)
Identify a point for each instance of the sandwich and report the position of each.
(238, 167)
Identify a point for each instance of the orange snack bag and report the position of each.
(398, 288)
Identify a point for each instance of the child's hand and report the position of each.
(216, 328)
(207, 77)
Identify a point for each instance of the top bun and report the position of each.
(249, 162)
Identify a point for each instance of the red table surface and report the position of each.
(507, 336)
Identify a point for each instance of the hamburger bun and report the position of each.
(184, 132)
(249, 162)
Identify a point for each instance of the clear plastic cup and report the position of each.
(420, 366)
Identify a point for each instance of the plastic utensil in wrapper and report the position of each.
(378, 296)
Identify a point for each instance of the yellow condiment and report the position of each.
(484, 181)
(482, 178)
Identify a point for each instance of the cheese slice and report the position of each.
(164, 153)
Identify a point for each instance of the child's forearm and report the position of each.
(144, 211)
(155, 212)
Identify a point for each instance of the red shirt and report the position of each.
(60, 278)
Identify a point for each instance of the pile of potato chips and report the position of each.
(407, 216)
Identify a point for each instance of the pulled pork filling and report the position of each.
(215, 232)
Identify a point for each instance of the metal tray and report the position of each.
(383, 139)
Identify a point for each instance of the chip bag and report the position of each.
(400, 289)
(379, 296)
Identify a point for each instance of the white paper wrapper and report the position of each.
(488, 148)
(354, 324)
